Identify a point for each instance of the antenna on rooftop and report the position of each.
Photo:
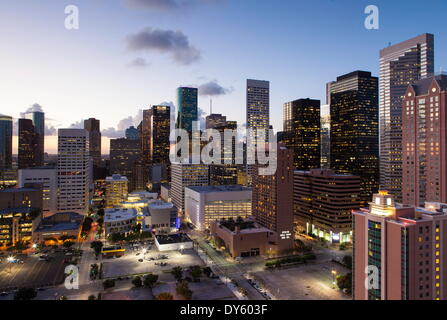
(211, 105)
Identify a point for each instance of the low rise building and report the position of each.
(52, 228)
(119, 220)
(116, 190)
(206, 204)
(161, 216)
(173, 242)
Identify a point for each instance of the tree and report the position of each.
(164, 296)
(177, 272)
(25, 294)
(100, 212)
(207, 271)
(136, 228)
(347, 261)
(91, 297)
(345, 282)
(137, 282)
(196, 273)
(100, 222)
(109, 283)
(183, 290)
(87, 224)
(97, 247)
(68, 244)
(150, 280)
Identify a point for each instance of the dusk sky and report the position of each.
(131, 54)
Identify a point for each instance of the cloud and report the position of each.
(212, 88)
(122, 125)
(173, 43)
(77, 125)
(167, 5)
(138, 63)
(112, 133)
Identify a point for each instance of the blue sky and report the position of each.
(297, 45)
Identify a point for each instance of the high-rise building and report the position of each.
(38, 119)
(92, 125)
(47, 176)
(145, 137)
(125, 155)
(5, 142)
(186, 175)
(28, 142)
(354, 135)
(398, 251)
(272, 200)
(160, 132)
(187, 108)
(424, 138)
(325, 117)
(323, 202)
(302, 132)
(116, 190)
(400, 65)
(132, 133)
(74, 170)
(215, 120)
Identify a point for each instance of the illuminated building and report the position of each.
(92, 125)
(272, 200)
(160, 131)
(125, 157)
(187, 108)
(5, 142)
(38, 119)
(27, 148)
(215, 120)
(119, 220)
(73, 170)
(52, 228)
(206, 204)
(20, 209)
(302, 132)
(323, 202)
(424, 138)
(354, 135)
(398, 251)
(116, 190)
(325, 137)
(186, 175)
(400, 65)
(47, 176)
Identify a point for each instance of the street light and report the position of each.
(181, 248)
(10, 259)
(334, 273)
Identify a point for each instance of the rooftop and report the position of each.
(173, 238)
(71, 221)
(117, 214)
(224, 188)
(116, 177)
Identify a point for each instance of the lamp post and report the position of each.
(181, 248)
(334, 274)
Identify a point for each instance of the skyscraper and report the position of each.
(92, 125)
(38, 118)
(5, 142)
(187, 108)
(400, 65)
(272, 200)
(132, 133)
(28, 142)
(325, 136)
(74, 170)
(302, 132)
(145, 136)
(354, 132)
(399, 251)
(125, 154)
(424, 137)
(160, 132)
(215, 119)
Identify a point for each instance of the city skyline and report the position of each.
(140, 86)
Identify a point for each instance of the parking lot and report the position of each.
(32, 272)
(153, 261)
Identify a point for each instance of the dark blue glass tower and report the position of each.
(187, 108)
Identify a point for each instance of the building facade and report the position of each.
(302, 132)
(5, 142)
(187, 99)
(323, 202)
(354, 135)
(125, 154)
(93, 127)
(28, 143)
(398, 251)
(424, 140)
(116, 190)
(400, 65)
(38, 119)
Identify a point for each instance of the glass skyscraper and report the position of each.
(5, 142)
(187, 108)
(38, 119)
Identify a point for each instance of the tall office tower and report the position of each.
(355, 130)
(400, 65)
(187, 108)
(27, 149)
(325, 136)
(215, 120)
(132, 133)
(145, 136)
(116, 190)
(272, 200)
(5, 142)
(125, 154)
(186, 175)
(323, 202)
(424, 138)
(38, 119)
(92, 125)
(398, 251)
(160, 132)
(225, 173)
(302, 132)
(258, 112)
(73, 170)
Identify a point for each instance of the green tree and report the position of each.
(68, 244)
(97, 247)
(25, 294)
(347, 261)
(109, 283)
(196, 273)
(136, 228)
(183, 290)
(100, 212)
(164, 296)
(177, 272)
(137, 282)
(150, 280)
(87, 224)
(91, 297)
(344, 282)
